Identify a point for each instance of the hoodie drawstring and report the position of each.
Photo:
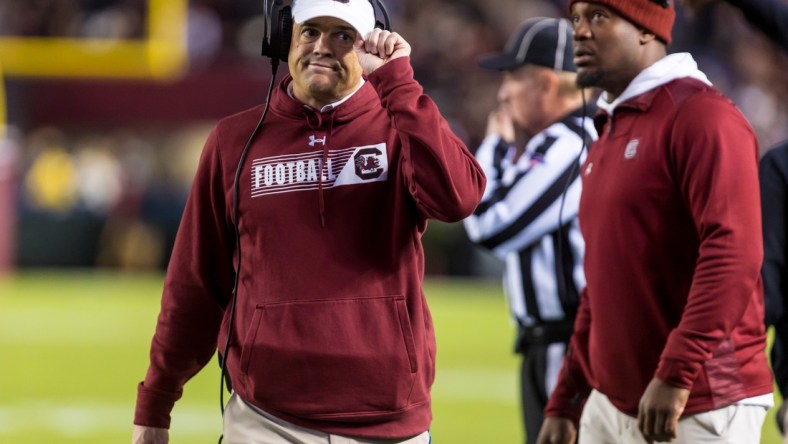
(321, 203)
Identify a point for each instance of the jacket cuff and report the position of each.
(391, 75)
(677, 373)
(563, 404)
(566, 412)
(154, 407)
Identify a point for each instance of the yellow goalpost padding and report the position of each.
(3, 130)
(161, 55)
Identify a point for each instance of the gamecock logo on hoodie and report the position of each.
(368, 161)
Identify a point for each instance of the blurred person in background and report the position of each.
(9, 161)
(770, 16)
(774, 200)
(528, 214)
(329, 336)
(669, 339)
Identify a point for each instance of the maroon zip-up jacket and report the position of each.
(670, 213)
(332, 330)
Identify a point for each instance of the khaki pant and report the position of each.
(603, 423)
(245, 425)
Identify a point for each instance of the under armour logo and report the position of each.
(313, 140)
(588, 168)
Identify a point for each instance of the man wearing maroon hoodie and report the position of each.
(331, 339)
(669, 338)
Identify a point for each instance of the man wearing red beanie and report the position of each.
(669, 340)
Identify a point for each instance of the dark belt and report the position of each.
(543, 334)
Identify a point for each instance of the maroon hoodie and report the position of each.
(332, 330)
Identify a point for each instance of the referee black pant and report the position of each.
(535, 369)
(542, 349)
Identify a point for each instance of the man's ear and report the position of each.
(646, 36)
(548, 79)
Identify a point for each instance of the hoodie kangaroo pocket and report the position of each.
(331, 357)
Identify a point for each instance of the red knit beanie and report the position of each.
(649, 14)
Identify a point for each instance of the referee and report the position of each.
(528, 215)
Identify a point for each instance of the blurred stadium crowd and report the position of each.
(98, 170)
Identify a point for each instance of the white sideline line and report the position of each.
(84, 419)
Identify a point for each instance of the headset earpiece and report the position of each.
(285, 32)
(278, 31)
(385, 23)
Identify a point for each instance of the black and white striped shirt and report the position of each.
(518, 219)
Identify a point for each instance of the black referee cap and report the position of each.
(538, 41)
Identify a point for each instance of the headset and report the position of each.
(276, 46)
(279, 26)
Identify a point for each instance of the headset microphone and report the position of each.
(576, 164)
(234, 295)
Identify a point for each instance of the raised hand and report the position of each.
(379, 48)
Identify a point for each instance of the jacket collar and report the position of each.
(349, 108)
(642, 89)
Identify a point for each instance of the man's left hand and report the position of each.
(379, 48)
(660, 408)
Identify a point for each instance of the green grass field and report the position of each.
(74, 345)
